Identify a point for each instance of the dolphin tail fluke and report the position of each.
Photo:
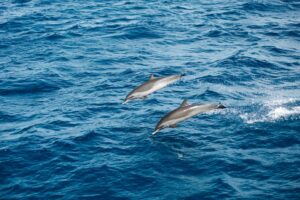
(182, 75)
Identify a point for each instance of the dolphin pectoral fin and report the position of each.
(173, 126)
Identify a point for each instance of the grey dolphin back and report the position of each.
(150, 86)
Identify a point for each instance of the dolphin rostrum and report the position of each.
(152, 85)
(183, 112)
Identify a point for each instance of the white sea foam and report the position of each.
(272, 111)
(279, 102)
(251, 118)
(282, 112)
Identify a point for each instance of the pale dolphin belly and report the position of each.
(177, 120)
(156, 86)
(183, 112)
(150, 87)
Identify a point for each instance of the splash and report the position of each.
(279, 102)
(283, 112)
(271, 111)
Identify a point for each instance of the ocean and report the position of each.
(67, 66)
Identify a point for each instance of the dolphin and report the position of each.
(183, 112)
(152, 85)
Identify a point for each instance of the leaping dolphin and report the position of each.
(152, 85)
(183, 112)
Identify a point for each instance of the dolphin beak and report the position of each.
(125, 101)
(155, 131)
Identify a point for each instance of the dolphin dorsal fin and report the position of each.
(184, 103)
(152, 77)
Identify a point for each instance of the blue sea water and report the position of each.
(66, 66)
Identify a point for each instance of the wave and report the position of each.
(28, 88)
(33, 85)
(264, 6)
(65, 69)
(137, 32)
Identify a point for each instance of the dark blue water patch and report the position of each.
(19, 89)
(259, 138)
(227, 15)
(30, 86)
(21, 1)
(209, 93)
(138, 32)
(174, 140)
(7, 117)
(11, 26)
(294, 24)
(54, 36)
(216, 33)
(257, 6)
(293, 33)
(231, 77)
(53, 125)
(257, 66)
(277, 51)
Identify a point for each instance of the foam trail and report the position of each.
(272, 111)
(282, 112)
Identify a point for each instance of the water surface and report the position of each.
(65, 68)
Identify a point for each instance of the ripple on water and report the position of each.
(66, 68)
